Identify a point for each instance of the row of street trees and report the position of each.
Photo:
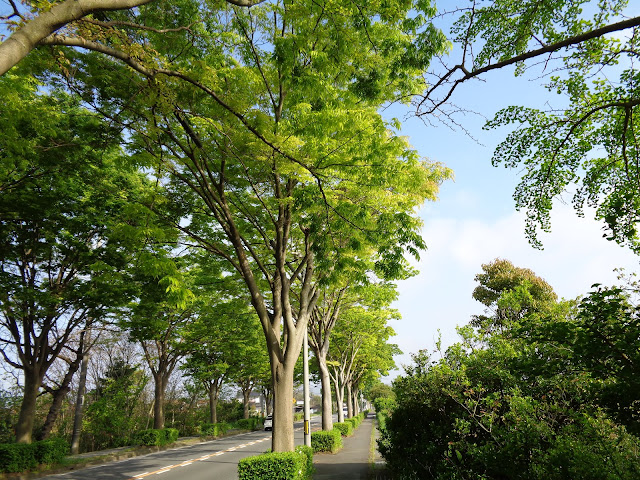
(257, 128)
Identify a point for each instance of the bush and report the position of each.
(308, 452)
(345, 429)
(326, 441)
(155, 437)
(295, 465)
(148, 437)
(252, 423)
(171, 435)
(51, 451)
(17, 457)
(213, 429)
(20, 457)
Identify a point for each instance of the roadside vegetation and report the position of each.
(189, 189)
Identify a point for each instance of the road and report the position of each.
(216, 459)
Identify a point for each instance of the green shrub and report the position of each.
(21, 457)
(308, 452)
(298, 416)
(276, 466)
(345, 429)
(171, 434)
(213, 429)
(353, 422)
(148, 437)
(249, 423)
(17, 457)
(51, 451)
(326, 441)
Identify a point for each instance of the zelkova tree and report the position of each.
(265, 124)
(163, 310)
(65, 205)
(360, 342)
(32, 23)
(586, 142)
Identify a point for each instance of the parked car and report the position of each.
(268, 423)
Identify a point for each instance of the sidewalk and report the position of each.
(352, 461)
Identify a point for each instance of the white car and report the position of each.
(268, 423)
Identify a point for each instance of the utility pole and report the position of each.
(305, 380)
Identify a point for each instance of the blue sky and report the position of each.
(475, 221)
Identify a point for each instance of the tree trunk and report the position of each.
(77, 418)
(339, 388)
(282, 433)
(213, 403)
(59, 395)
(349, 401)
(246, 393)
(325, 383)
(24, 427)
(268, 400)
(158, 405)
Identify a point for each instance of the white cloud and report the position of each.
(574, 257)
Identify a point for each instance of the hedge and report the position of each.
(213, 429)
(345, 429)
(251, 423)
(20, 457)
(155, 436)
(296, 465)
(326, 441)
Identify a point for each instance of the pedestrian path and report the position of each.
(352, 461)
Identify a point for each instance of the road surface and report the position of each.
(216, 459)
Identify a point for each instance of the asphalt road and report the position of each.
(217, 459)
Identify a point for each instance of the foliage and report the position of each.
(110, 419)
(19, 457)
(345, 428)
(251, 423)
(214, 429)
(278, 466)
(582, 141)
(326, 440)
(155, 436)
(538, 391)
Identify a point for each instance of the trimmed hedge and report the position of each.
(297, 465)
(345, 429)
(171, 434)
(252, 423)
(213, 429)
(326, 441)
(155, 436)
(20, 457)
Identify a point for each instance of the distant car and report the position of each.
(345, 411)
(268, 423)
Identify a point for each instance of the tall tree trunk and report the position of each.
(77, 418)
(158, 405)
(246, 394)
(339, 388)
(268, 399)
(349, 401)
(213, 402)
(356, 401)
(24, 427)
(58, 395)
(282, 433)
(325, 384)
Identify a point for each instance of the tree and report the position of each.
(65, 200)
(510, 293)
(522, 391)
(586, 52)
(162, 312)
(360, 342)
(31, 31)
(275, 149)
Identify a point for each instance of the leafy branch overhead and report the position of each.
(588, 54)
